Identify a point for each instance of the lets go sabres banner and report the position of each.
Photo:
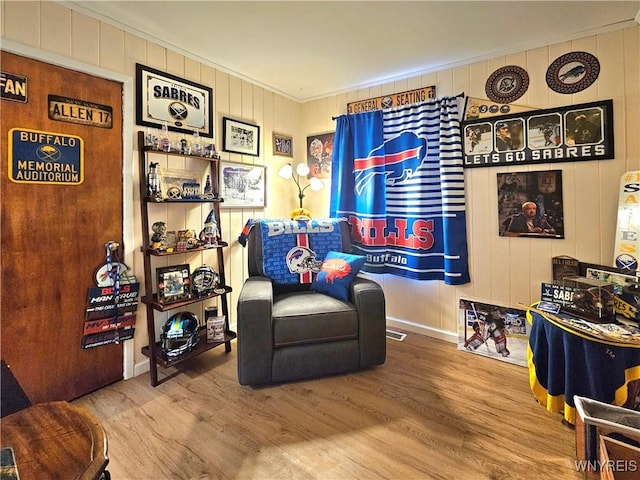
(397, 175)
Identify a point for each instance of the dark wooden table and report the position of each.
(56, 440)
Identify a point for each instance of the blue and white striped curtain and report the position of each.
(397, 176)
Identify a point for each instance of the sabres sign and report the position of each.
(45, 157)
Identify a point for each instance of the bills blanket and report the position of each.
(293, 250)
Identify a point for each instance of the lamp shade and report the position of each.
(315, 183)
(286, 171)
(302, 169)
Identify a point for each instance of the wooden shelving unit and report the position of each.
(150, 299)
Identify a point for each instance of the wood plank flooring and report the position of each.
(431, 412)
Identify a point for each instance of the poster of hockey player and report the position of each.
(493, 331)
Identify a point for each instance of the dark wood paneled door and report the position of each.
(53, 233)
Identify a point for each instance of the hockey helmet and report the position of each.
(179, 334)
(203, 280)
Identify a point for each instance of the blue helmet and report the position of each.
(179, 334)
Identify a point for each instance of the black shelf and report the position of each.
(201, 347)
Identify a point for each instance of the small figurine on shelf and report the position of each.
(159, 237)
(208, 189)
(210, 151)
(185, 146)
(209, 234)
(153, 183)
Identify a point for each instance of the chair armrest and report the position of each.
(368, 297)
(255, 335)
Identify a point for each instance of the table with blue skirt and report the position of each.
(564, 362)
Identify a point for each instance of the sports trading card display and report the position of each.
(493, 331)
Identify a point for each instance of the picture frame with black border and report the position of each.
(282, 145)
(185, 106)
(572, 133)
(243, 185)
(240, 137)
(174, 283)
(541, 191)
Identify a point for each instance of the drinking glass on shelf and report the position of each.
(151, 138)
(165, 139)
(196, 144)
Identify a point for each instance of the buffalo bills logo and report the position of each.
(302, 260)
(398, 159)
(335, 268)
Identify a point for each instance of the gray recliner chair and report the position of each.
(290, 332)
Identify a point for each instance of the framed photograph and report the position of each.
(240, 137)
(574, 133)
(174, 283)
(319, 153)
(530, 204)
(282, 145)
(184, 105)
(242, 185)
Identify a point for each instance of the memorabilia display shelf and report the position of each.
(163, 307)
(183, 200)
(159, 253)
(154, 351)
(201, 346)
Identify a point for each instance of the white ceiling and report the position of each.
(312, 49)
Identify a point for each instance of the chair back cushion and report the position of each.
(321, 235)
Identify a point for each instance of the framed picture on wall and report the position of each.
(319, 153)
(242, 185)
(282, 145)
(240, 137)
(185, 106)
(530, 204)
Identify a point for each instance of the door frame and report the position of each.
(129, 369)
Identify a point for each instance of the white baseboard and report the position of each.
(141, 367)
(423, 330)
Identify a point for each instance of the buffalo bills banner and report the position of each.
(397, 176)
(565, 134)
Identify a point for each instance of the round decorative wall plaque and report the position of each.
(507, 84)
(572, 72)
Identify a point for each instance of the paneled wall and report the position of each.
(61, 33)
(503, 270)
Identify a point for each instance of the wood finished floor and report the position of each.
(431, 412)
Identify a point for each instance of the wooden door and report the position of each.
(53, 232)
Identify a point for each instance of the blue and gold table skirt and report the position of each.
(563, 363)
